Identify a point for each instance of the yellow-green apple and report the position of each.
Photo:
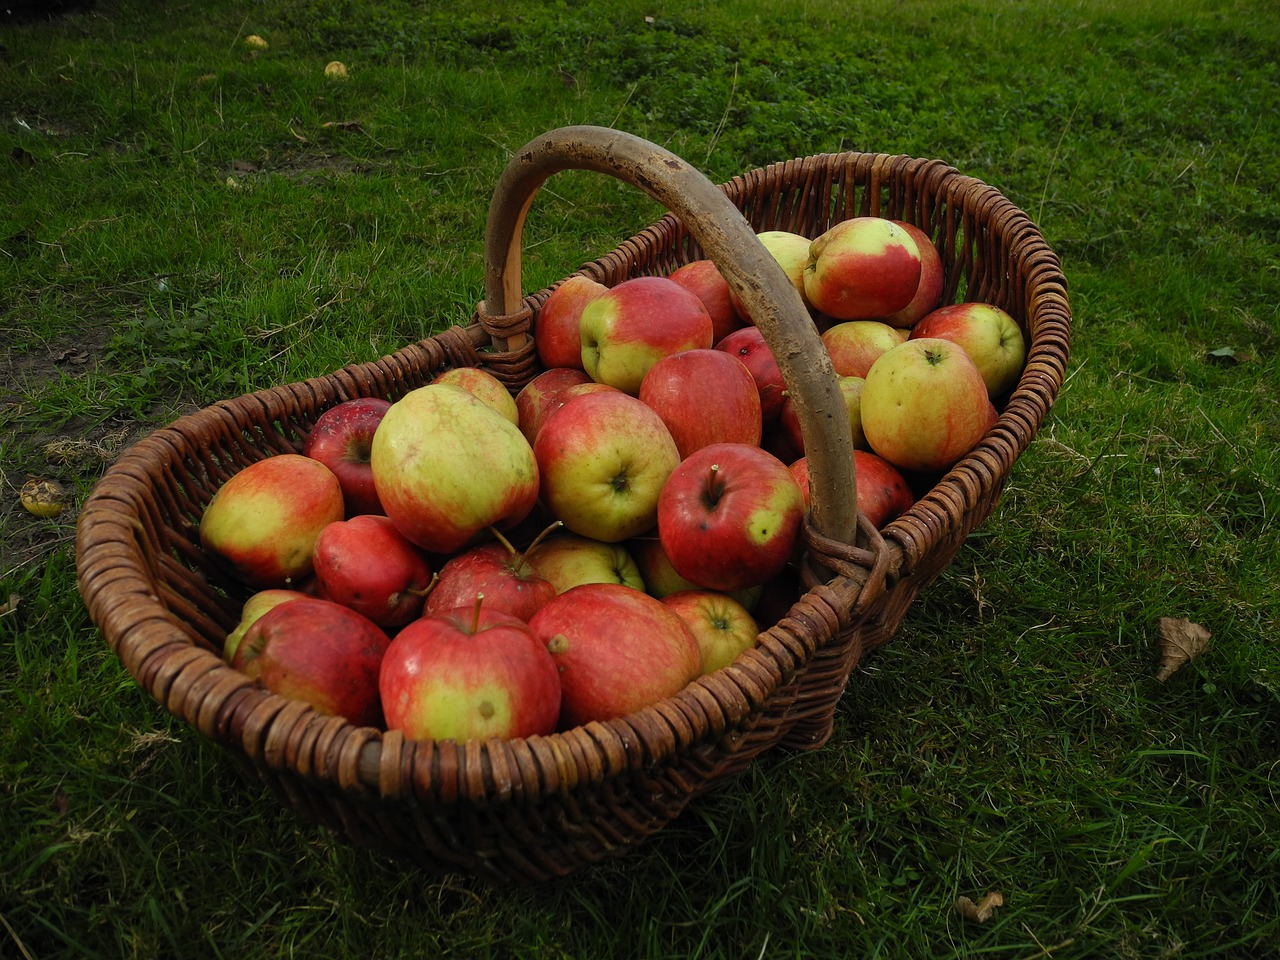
(791, 250)
(854, 345)
(366, 564)
(861, 269)
(317, 651)
(340, 439)
(484, 386)
(535, 397)
(883, 492)
(447, 466)
(617, 650)
(469, 673)
(851, 390)
(603, 458)
(497, 571)
(556, 329)
(704, 280)
(929, 291)
(729, 516)
(634, 324)
(722, 626)
(749, 345)
(257, 604)
(264, 520)
(704, 397)
(992, 339)
(568, 560)
(924, 405)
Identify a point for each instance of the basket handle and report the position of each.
(730, 242)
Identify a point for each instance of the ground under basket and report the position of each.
(528, 810)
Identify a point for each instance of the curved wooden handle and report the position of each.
(729, 241)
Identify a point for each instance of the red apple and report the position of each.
(603, 458)
(564, 395)
(929, 291)
(924, 405)
(535, 398)
(340, 439)
(855, 345)
(556, 330)
(722, 626)
(704, 280)
(366, 564)
(264, 520)
(660, 578)
(484, 386)
(749, 346)
(469, 673)
(704, 397)
(253, 608)
(791, 250)
(861, 269)
(447, 466)
(318, 651)
(568, 560)
(617, 650)
(883, 492)
(851, 390)
(729, 516)
(991, 338)
(500, 573)
(636, 323)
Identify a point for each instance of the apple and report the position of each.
(447, 466)
(661, 579)
(704, 280)
(564, 395)
(469, 673)
(617, 650)
(340, 439)
(484, 386)
(535, 397)
(556, 329)
(856, 344)
(366, 564)
(861, 269)
(883, 492)
(722, 626)
(568, 560)
(729, 516)
(257, 604)
(992, 339)
(264, 520)
(704, 397)
(851, 390)
(636, 323)
(924, 405)
(750, 346)
(603, 458)
(932, 276)
(791, 250)
(497, 571)
(318, 651)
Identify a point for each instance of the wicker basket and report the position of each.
(528, 810)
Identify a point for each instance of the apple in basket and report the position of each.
(616, 649)
(636, 323)
(883, 492)
(851, 390)
(704, 397)
(469, 673)
(484, 386)
(932, 276)
(924, 405)
(568, 560)
(535, 398)
(661, 578)
(862, 269)
(722, 626)
(447, 467)
(253, 608)
(603, 458)
(340, 439)
(366, 564)
(856, 344)
(556, 332)
(264, 520)
(791, 250)
(729, 516)
(704, 280)
(992, 339)
(504, 576)
(318, 651)
(750, 346)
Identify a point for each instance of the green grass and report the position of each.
(178, 224)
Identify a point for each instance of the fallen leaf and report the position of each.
(74, 357)
(1181, 641)
(981, 911)
(343, 125)
(1228, 355)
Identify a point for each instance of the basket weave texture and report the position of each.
(534, 809)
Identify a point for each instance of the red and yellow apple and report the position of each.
(883, 492)
(862, 269)
(484, 386)
(855, 345)
(704, 280)
(704, 397)
(722, 626)
(567, 560)
(929, 291)
(749, 345)
(991, 338)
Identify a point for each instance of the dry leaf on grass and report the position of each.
(981, 911)
(1181, 641)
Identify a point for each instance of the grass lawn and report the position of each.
(184, 219)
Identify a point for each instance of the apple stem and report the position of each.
(522, 559)
(424, 592)
(497, 534)
(475, 614)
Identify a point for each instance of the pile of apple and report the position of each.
(464, 563)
